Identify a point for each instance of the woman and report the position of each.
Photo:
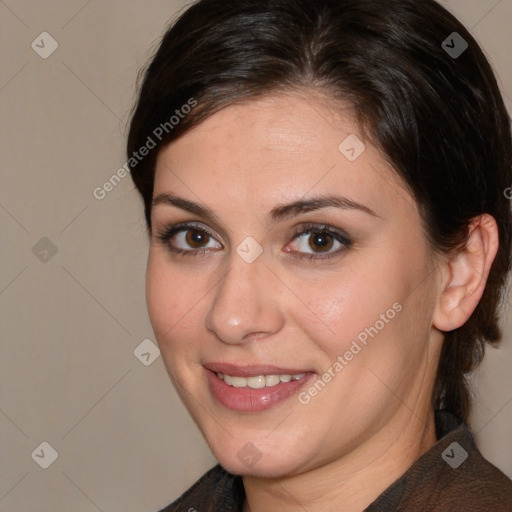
(324, 189)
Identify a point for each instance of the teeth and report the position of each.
(272, 380)
(259, 381)
(238, 382)
(256, 382)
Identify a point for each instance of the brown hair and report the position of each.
(438, 117)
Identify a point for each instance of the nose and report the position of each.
(245, 303)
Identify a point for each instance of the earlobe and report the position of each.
(466, 275)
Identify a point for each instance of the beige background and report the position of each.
(70, 324)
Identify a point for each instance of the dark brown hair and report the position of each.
(438, 117)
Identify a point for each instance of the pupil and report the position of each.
(196, 238)
(322, 241)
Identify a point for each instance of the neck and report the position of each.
(344, 482)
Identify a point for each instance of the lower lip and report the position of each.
(253, 400)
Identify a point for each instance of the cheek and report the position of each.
(343, 306)
(172, 302)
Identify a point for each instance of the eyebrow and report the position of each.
(278, 213)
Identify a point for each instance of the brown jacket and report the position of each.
(452, 476)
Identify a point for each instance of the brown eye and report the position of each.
(196, 238)
(188, 240)
(320, 241)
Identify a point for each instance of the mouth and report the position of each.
(253, 388)
(258, 381)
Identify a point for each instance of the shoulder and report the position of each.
(215, 490)
(465, 479)
(452, 475)
(475, 484)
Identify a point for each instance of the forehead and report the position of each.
(277, 148)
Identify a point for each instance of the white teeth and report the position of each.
(272, 380)
(256, 382)
(238, 382)
(259, 381)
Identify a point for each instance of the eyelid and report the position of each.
(339, 234)
(184, 226)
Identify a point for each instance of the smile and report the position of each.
(253, 389)
(259, 381)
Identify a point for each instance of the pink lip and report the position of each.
(254, 400)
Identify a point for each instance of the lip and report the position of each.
(253, 400)
(252, 370)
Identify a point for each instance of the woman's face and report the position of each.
(303, 261)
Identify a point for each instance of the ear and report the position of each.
(465, 275)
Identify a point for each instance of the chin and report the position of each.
(262, 468)
(247, 458)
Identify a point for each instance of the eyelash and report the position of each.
(165, 236)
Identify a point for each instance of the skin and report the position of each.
(375, 417)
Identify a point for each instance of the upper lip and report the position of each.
(252, 370)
